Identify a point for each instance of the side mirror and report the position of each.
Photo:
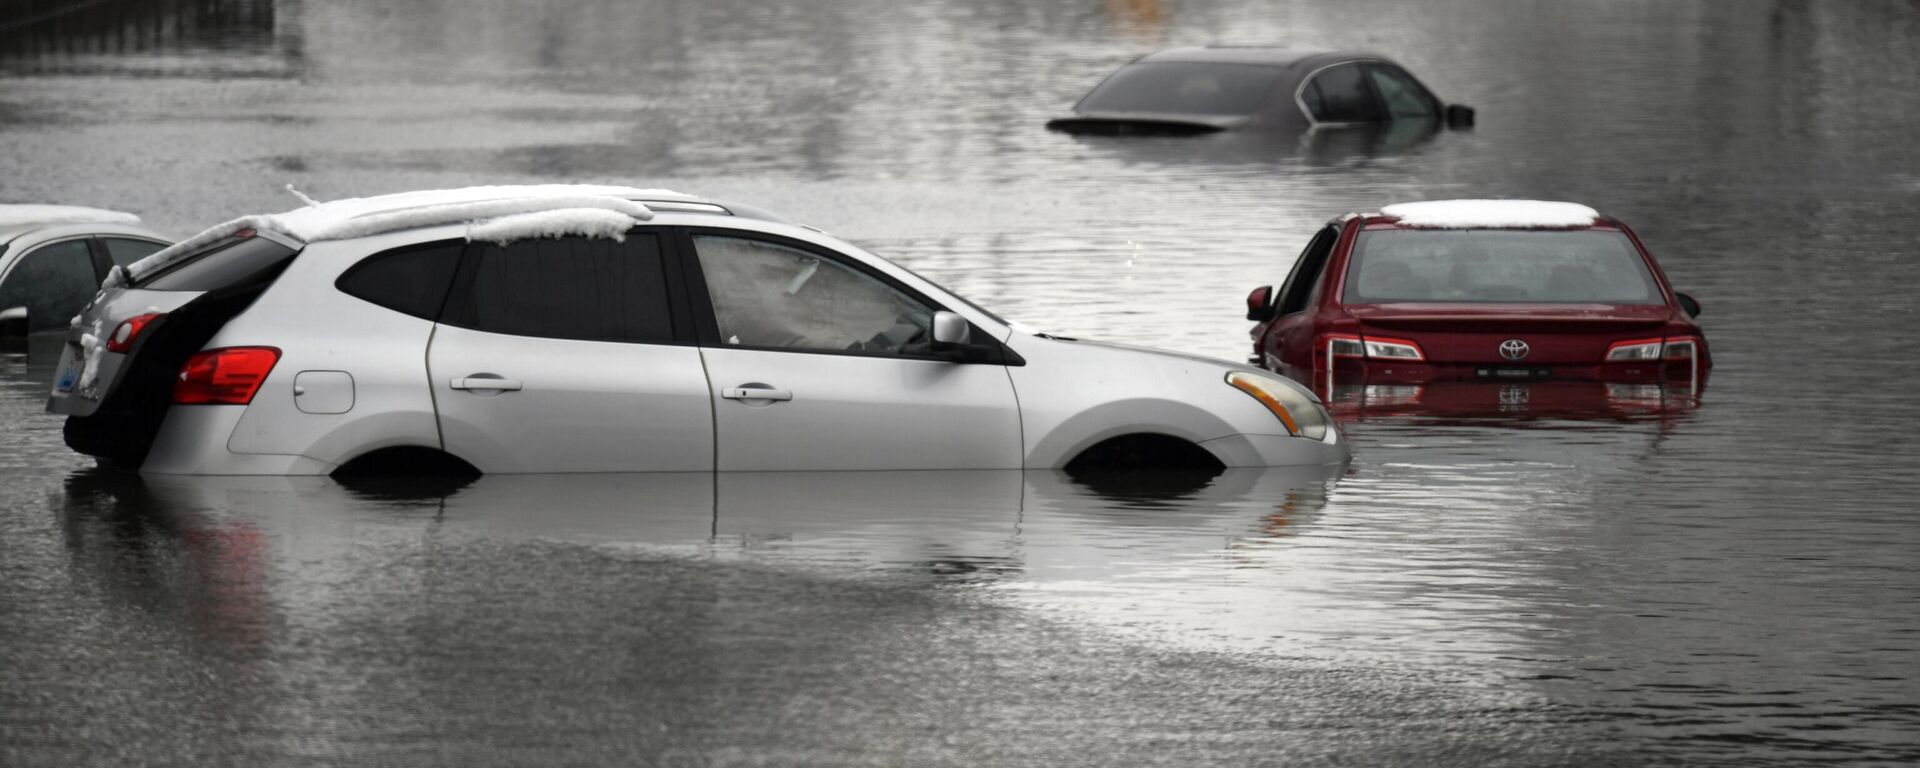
(1260, 304)
(950, 332)
(1688, 303)
(13, 322)
(1459, 116)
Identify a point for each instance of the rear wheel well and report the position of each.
(406, 460)
(1144, 450)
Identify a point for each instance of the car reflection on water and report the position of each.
(155, 538)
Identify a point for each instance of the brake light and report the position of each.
(1345, 346)
(1373, 347)
(1393, 349)
(129, 331)
(227, 376)
(1681, 348)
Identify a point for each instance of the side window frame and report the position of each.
(1307, 269)
(1436, 109)
(1366, 84)
(367, 261)
(13, 269)
(707, 324)
(683, 329)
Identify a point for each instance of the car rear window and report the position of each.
(1589, 266)
(222, 264)
(412, 280)
(1185, 87)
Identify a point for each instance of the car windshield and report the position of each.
(1588, 266)
(1185, 87)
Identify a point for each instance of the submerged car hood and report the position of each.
(1145, 123)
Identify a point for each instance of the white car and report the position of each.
(53, 257)
(564, 328)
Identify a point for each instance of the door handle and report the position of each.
(756, 393)
(485, 383)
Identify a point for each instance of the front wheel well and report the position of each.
(1144, 450)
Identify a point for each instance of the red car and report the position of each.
(1477, 290)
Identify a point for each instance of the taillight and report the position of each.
(1393, 349)
(1345, 346)
(227, 376)
(129, 331)
(1678, 348)
(1373, 347)
(1681, 348)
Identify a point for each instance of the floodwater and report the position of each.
(1729, 576)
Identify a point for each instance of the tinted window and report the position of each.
(413, 280)
(571, 288)
(1488, 265)
(1404, 97)
(125, 252)
(54, 282)
(224, 264)
(1342, 96)
(1306, 272)
(767, 295)
(1185, 88)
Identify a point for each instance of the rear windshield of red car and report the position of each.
(1185, 88)
(1498, 266)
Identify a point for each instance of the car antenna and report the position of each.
(311, 203)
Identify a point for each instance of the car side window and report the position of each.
(1306, 272)
(1404, 96)
(1339, 95)
(413, 280)
(770, 295)
(125, 251)
(590, 289)
(54, 282)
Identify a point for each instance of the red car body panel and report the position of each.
(1464, 341)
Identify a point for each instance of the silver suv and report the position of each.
(609, 329)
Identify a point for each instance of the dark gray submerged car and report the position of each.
(1203, 90)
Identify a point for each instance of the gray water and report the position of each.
(1729, 579)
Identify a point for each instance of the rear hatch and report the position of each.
(115, 378)
(1144, 123)
(1549, 335)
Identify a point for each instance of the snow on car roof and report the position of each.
(21, 215)
(365, 216)
(1515, 214)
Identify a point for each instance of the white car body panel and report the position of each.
(854, 412)
(1074, 394)
(381, 378)
(583, 406)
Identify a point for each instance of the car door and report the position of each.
(563, 355)
(52, 282)
(817, 363)
(1290, 337)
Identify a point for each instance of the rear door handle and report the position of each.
(756, 393)
(486, 383)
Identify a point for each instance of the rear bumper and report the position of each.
(1380, 372)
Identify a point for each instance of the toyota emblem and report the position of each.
(1514, 349)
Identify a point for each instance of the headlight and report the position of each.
(1295, 409)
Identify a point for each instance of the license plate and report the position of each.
(1510, 373)
(69, 375)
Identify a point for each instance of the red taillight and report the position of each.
(129, 331)
(227, 376)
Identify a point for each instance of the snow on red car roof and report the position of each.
(1501, 214)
